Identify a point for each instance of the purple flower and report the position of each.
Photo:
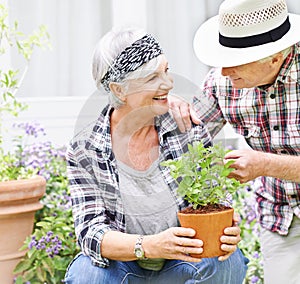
(31, 128)
(32, 243)
(50, 243)
(254, 279)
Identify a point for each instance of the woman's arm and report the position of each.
(173, 243)
(88, 208)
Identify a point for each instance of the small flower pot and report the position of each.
(19, 200)
(209, 228)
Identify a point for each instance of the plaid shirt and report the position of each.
(94, 181)
(269, 119)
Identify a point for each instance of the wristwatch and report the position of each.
(138, 249)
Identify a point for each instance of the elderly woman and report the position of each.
(124, 203)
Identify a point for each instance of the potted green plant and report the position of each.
(20, 188)
(201, 175)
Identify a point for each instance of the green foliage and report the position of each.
(244, 204)
(9, 169)
(52, 245)
(10, 38)
(202, 179)
(10, 80)
(202, 175)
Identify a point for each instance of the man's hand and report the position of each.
(248, 164)
(183, 113)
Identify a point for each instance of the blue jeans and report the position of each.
(208, 271)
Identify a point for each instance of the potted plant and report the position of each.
(202, 180)
(20, 187)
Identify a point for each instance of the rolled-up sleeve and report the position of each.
(89, 213)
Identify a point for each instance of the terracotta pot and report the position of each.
(209, 228)
(19, 200)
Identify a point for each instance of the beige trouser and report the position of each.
(282, 255)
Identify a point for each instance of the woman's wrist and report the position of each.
(148, 246)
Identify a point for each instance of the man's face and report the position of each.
(251, 74)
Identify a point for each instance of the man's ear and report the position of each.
(277, 58)
(118, 90)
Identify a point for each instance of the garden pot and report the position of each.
(209, 228)
(19, 200)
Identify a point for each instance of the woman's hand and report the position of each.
(231, 239)
(173, 243)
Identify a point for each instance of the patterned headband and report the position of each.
(130, 59)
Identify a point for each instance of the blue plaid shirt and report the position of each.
(94, 180)
(269, 119)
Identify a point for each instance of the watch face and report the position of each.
(139, 253)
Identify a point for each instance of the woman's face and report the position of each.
(150, 93)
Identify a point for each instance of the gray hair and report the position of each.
(285, 52)
(108, 48)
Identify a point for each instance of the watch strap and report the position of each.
(138, 248)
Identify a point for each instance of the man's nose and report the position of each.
(227, 71)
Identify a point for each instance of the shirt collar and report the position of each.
(165, 124)
(100, 138)
(285, 70)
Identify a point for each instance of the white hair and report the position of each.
(285, 52)
(106, 51)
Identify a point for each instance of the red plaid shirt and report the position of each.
(269, 119)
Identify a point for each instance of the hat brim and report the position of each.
(212, 53)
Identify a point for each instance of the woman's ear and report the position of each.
(118, 90)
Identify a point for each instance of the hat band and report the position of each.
(259, 39)
(131, 58)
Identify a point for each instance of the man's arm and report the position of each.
(250, 164)
(183, 113)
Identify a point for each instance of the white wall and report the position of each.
(62, 117)
(59, 82)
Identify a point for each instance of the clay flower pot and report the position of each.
(19, 200)
(209, 228)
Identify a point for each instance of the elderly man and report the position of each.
(254, 47)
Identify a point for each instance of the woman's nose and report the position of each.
(167, 82)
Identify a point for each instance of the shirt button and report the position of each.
(272, 96)
(276, 127)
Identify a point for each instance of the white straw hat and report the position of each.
(246, 31)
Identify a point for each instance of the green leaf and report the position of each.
(23, 266)
(19, 280)
(201, 174)
(48, 265)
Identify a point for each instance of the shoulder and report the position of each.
(91, 135)
(290, 71)
(214, 82)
